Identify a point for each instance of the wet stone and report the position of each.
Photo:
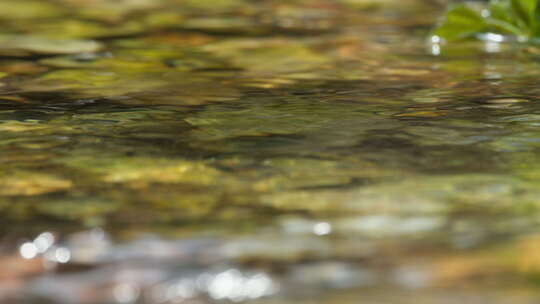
(11, 44)
(506, 101)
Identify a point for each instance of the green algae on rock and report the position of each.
(29, 184)
(29, 9)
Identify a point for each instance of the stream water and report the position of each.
(167, 151)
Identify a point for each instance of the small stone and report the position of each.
(422, 114)
(499, 106)
(426, 99)
(506, 100)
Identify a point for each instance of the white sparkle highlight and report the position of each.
(322, 228)
(28, 250)
(62, 255)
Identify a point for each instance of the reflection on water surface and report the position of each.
(270, 151)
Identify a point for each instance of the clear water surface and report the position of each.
(263, 152)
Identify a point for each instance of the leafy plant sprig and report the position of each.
(516, 18)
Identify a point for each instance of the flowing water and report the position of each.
(263, 151)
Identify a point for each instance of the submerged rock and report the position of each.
(17, 44)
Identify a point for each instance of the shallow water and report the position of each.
(263, 151)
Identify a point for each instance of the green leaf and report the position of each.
(504, 27)
(461, 22)
(519, 18)
(501, 11)
(501, 18)
(525, 11)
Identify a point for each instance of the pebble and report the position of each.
(506, 100)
